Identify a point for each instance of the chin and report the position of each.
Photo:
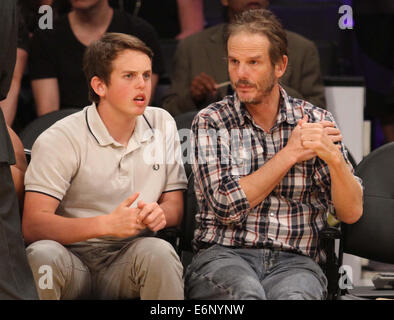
(247, 99)
(138, 110)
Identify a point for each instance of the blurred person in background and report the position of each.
(16, 279)
(374, 31)
(172, 19)
(55, 64)
(200, 76)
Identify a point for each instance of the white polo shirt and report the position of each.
(79, 163)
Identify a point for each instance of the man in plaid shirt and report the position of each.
(268, 169)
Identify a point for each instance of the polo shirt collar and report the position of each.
(142, 131)
(286, 111)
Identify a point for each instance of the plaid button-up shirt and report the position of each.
(226, 145)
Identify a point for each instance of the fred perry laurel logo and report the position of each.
(156, 167)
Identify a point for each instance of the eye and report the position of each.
(128, 75)
(147, 75)
(233, 61)
(253, 62)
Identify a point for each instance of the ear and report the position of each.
(98, 86)
(281, 66)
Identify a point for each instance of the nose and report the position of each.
(140, 81)
(242, 71)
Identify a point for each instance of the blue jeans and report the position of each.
(253, 274)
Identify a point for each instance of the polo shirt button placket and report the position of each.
(123, 174)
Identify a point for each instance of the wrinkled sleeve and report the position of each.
(54, 162)
(214, 177)
(322, 174)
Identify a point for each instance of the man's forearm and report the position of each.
(61, 229)
(46, 95)
(258, 185)
(173, 211)
(346, 192)
(191, 17)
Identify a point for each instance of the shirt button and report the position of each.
(272, 214)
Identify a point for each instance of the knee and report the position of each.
(303, 286)
(227, 279)
(206, 287)
(158, 253)
(45, 252)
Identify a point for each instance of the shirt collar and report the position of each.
(142, 132)
(286, 111)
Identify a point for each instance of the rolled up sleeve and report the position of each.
(214, 177)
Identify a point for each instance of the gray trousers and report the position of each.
(146, 267)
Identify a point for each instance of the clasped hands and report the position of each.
(309, 140)
(125, 222)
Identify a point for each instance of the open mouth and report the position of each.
(140, 99)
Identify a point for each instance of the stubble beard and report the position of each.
(262, 92)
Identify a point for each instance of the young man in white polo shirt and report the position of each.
(101, 182)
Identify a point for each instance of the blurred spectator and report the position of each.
(374, 29)
(56, 55)
(10, 105)
(171, 18)
(16, 279)
(200, 69)
(191, 17)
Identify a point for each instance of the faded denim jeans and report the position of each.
(253, 274)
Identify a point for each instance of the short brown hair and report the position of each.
(264, 22)
(98, 57)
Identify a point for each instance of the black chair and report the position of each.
(181, 237)
(372, 237)
(185, 249)
(31, 132)
(184, 122)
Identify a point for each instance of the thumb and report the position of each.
(140, 204)
(129, 201)
(303, 120)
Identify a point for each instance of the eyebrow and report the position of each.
(134, 71)
(249, 58)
